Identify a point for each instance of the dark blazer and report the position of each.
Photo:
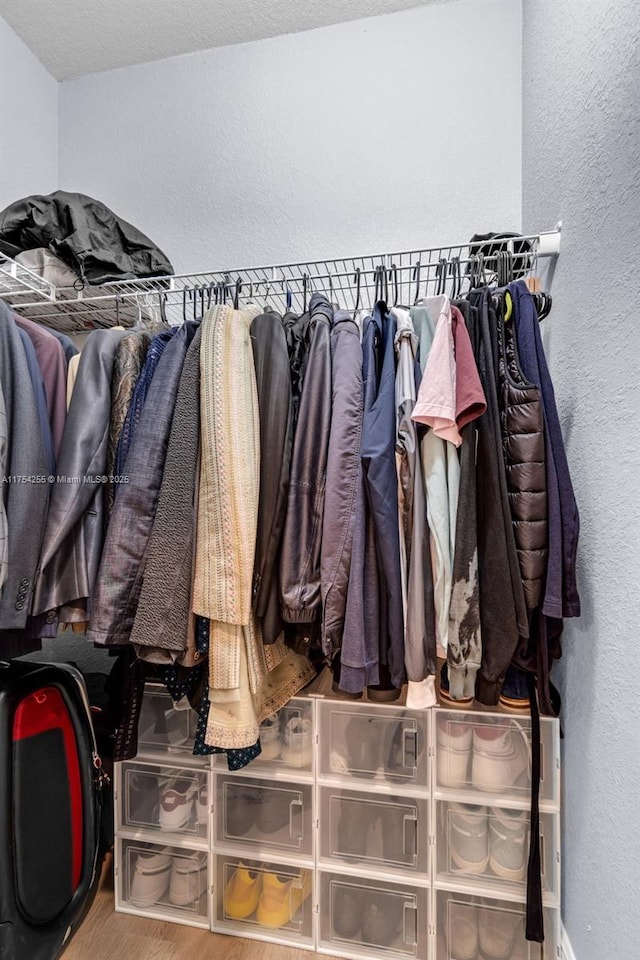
(273, 381)
(74, 531)
(25, 503)
(117, 588)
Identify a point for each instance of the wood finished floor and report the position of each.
(107, 935)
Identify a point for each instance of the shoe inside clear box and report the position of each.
(487, 846)
(264, 814)
(165, 725)
(166, 799)
(164, 879)
(382, 743)
(373, 917)
(491, 754)
(483, 928)
(273, 897)
(374, 830)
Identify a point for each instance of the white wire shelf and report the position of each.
(20, 285)
(403, 276)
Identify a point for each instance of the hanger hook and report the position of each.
(356, 280)
(416, 276)
(394, 278)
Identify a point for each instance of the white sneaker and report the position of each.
(151, 878)
(501, 757)
(468, 837)
(188, 879)
(176, 804)
(270, 740)
(454, 740)
(508, 833)
(297, 742)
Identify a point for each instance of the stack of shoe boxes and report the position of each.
(264, 834)
(362, 831)
(163, 820)
(481, 820)
(373, 831)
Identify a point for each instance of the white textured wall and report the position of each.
(582, 162)
(343, 140)
(28, 121)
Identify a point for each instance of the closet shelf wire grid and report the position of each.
(402, 275)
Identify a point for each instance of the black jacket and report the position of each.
(85, 234)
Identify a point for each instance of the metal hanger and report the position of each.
(416, 277)
(356, 280)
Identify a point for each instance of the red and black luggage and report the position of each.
(50, 783)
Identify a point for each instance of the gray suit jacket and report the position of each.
(119, 581)
(25, 502)
(74, 531)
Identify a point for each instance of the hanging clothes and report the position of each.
(415, 554)
(246, 677)
(343, 477)
(379, 471)
(51, 359)
(301, 542)
(163, 628)
(275, 410)
(25, 504)
(119, 580)
(464, 646)
(128, 361)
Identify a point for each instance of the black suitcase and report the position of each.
(50, 784)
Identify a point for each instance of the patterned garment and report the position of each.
(155, 351)
(236, 759)
(127, 365)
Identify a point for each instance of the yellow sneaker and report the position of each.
(281, 898)
(243, 893)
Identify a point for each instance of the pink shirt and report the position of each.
(436, 403)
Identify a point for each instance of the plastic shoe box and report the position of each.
(490, 755)
(373, 831)
(488, 847)
(152, 798)
(264, 815)
(167, 883)
(365, 917)
(481, 928)
(264, 901)
(382, 745)
(165, 727)
(287, 740)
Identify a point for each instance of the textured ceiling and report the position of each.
(76, 37)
